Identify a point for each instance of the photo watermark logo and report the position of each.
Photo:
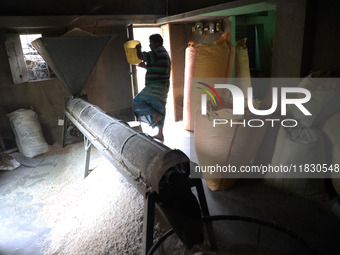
(238, 104)
(204, 96)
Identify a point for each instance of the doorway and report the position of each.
(142, 34)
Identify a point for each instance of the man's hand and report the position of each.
(139, 52)
(142, 64)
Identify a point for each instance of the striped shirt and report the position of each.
(158, 66)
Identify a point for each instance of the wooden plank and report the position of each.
(178, 44)
(16, 58)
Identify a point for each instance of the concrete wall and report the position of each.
(289, 38)
(306, 37)
(326, 37)
(109, 87)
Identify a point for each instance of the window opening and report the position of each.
(36, 66)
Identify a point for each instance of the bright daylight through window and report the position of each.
(36, 66)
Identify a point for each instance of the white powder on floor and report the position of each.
(101, 214)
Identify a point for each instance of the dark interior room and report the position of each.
(170, 127)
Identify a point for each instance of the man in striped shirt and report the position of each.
(149, 104)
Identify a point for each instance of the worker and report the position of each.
(149, 104)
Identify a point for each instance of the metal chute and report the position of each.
(150, 166)
(71, 58)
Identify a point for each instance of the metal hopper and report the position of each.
(72, 58)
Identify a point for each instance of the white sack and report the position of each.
(298, 146)
(28, 133)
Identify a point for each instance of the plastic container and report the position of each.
(131, 52)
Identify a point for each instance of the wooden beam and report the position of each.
(221, 10)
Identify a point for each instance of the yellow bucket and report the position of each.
(131, 52)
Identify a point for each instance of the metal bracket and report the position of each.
(210, 238)
(149, 217)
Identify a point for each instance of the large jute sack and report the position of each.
(324, 102)
(195, 98)
(331, 128)
(299, 146)
(28, 133)
(215, 60)
(242, 70)
(190, 58)
(212, 61)
(225, 145)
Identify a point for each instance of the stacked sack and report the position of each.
(209, 60)
(331, 129)
(226, 145)
(306, 143)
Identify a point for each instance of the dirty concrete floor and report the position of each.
(24, 231)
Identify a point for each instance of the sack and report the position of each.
(190, 58)
(298, 146)
(209, 60)
(331, 129)
(28, 133)
(215, 60)
(224, 145)
(324, 102)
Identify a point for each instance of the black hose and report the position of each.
(264, 223)
(155, 246)
(238, 218)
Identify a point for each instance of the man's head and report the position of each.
(156, 40)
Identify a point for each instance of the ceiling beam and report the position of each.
(221, 10)
(51, 22)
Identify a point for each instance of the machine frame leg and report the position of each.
(148, 222)
(87, 146)
(64, 131)
(197, 183)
